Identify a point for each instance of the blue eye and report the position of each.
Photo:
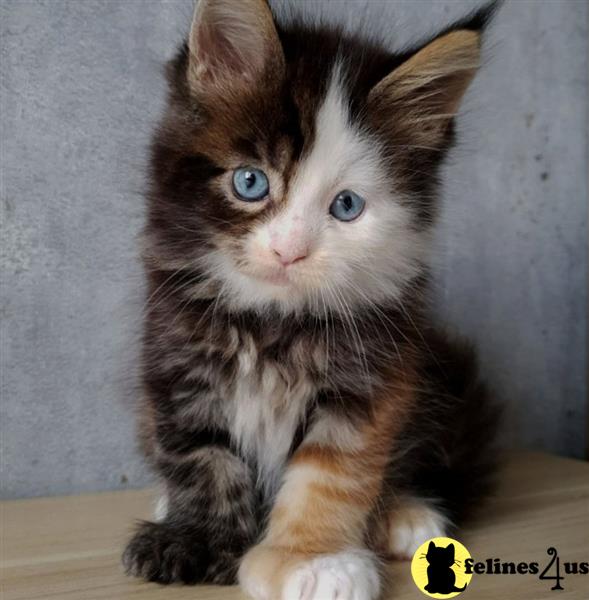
(250, 184)
(347, 206)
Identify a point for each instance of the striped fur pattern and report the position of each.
(305, 418)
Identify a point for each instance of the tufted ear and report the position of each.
(422, 95)
(232, 43)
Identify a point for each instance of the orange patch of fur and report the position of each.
(343, 486)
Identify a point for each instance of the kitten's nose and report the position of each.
(288, 256)
(289, 241)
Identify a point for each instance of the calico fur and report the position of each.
(303, 431)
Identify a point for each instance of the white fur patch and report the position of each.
(160, 511)
(258, 589)
(350, 575)
(412, 524)
(264, 414)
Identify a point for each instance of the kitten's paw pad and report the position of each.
(158, 552)
(411, 525)
(345, 576)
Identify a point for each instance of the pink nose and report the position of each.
(288, 256)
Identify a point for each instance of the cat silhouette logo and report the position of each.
(438, 568)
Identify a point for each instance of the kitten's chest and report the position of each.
(264, 406)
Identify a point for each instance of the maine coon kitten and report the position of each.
(304, 417)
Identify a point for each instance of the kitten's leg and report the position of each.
(314, 547)
(410, 523)
(208, 523)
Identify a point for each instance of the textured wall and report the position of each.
(81, 85)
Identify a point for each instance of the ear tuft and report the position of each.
(232, 42)
(479, 19)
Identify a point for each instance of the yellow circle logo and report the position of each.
(438, 568)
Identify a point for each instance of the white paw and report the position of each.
(256, 572)
(412, 525)
(345, 576)
(255, 588)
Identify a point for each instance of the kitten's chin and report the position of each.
(260, 290)
(255, 287)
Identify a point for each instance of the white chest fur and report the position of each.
(264, 411)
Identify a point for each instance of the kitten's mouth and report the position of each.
(278, 277)
(268, 274)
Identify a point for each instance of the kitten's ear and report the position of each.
(232, 42)
(451, 551)
(431, 547)
(423, 93)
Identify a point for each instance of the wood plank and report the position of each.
(69, 548)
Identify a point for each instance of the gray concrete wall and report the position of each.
(81, 86)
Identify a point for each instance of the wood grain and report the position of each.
(68, 548)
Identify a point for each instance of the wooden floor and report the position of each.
(68, 548)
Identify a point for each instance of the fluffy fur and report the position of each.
(305, 418)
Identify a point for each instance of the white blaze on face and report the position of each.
(341, 158)
(327, 260)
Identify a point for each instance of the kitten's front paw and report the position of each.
(413, 523)
(180, 553)
(348, 575)
(161, 553)
(269, 573)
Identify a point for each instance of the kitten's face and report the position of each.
(326, 226)
(289, 181)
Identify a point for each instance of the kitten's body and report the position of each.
(303, 403)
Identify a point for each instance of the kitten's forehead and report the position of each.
(306, 135)
(306, 116)
(340, 154)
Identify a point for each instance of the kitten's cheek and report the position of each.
(255, 255)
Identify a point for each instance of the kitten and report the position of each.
(304, 417)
